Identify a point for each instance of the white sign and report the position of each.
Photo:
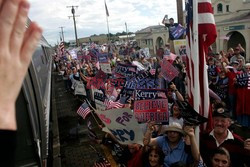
(106, 68)
(180, 47)
(122, 124)
(144, 53)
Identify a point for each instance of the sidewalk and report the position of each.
(74, 147)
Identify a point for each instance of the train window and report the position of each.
(45, 54)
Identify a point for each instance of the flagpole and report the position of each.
(196, 91)
(107, 15)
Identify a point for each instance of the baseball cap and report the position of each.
(221, 112)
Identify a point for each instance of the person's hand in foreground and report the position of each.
(17, 44)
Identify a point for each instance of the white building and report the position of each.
(232, 19)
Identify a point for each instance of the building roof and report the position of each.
(245, 16)
(151, 28)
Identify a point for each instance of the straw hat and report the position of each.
(176, 127)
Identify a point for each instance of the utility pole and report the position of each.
(180, 11)
(62, 33)
(127, 31)
(73, 12)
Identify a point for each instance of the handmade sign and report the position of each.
(105, 67)
(153, 110)
(180, 47)
(122, 124)
(80, 89)
(143, 94)
(97, 81)
(125, 70)
(168, 71)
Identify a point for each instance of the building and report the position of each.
(232, 19)
(126, 38)
(152, 37)
(98, 39)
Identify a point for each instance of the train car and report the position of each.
(33, 108)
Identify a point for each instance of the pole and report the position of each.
(196, 60)
(73, 13)
(62, 33)
(108, 28)
(126, 30)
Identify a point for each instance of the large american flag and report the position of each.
(83, 110)
(198, 91)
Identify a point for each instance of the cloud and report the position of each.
(52, 14)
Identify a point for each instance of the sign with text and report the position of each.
(103, 58)
(122, 124)
(143, 94)
(144, 53)
(125, 70)
(99, 99)
(153, 110)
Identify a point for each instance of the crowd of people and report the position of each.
(176, 141)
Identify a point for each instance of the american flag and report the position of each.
(114, 104)
(198, 91)
(83, 110)
(103, 163)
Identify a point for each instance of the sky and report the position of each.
(52, 14)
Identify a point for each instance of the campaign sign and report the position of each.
(242, 79)
(99, 99)
(129, 93)
(97, 81)
(125, 70)
(143, 94)
(144, 53)
(153, 110)
(142, 80)
(105, 67)
(103, 58)
(168, 71)
(122, 124)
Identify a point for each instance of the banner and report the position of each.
(122, 124)
(144, 94)
(168, 71)
(153, 110)
(125, 70)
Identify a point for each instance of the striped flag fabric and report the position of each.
(114, 104)
(106, 8)
(103, 163)
(197, 78)
(83, 110)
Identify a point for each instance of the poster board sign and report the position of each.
(142, 80)
(105, 67)
(151, 109)
(144, 53)
(125, 70)
(168, 71)
(144, 94)
(122, 124)
(99, 98)
(103, 58)
(180, 47)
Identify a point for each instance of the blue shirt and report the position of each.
(172, 155)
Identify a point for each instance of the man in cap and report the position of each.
(220, 136)
(173, 145)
